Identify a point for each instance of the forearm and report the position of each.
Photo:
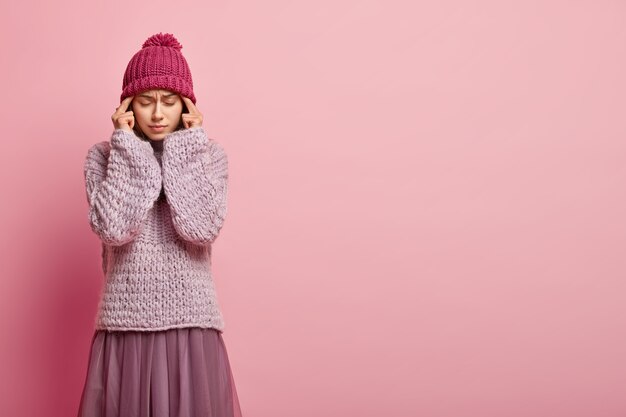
(121, 187)
(195, 180)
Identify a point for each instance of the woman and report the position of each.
(157, 200)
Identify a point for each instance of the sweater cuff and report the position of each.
(186, 143)
(122, 138)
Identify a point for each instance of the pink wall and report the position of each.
(426, 212)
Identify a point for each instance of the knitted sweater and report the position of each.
(157, 206)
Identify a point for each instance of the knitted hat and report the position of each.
(159, 64)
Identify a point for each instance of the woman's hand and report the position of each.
(123, 119)
(194, 117)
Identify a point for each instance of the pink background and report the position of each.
(426, 209)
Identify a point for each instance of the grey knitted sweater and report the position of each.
(157, 206)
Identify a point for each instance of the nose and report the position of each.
(157, 115)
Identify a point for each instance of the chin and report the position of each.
(156, 136)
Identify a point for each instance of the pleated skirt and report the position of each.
(182, 372)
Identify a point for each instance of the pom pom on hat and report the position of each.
(161, 39)
(158, 64)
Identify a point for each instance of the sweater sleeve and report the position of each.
(195, 180)
(122, 180)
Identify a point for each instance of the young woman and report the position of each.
(157, 200)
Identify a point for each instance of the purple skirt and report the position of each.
(180, 372)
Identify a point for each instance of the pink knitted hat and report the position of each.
(159, 64)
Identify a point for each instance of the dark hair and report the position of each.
(143, 136)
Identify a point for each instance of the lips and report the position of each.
(157, 128)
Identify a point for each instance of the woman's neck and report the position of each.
(157, 145)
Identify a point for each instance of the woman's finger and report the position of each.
(191, 120)
(190, 106)
(124, 105)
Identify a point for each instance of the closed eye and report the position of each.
(167, 104)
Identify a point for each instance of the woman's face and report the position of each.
(157, 107)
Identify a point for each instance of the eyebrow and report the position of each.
(164, 95)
